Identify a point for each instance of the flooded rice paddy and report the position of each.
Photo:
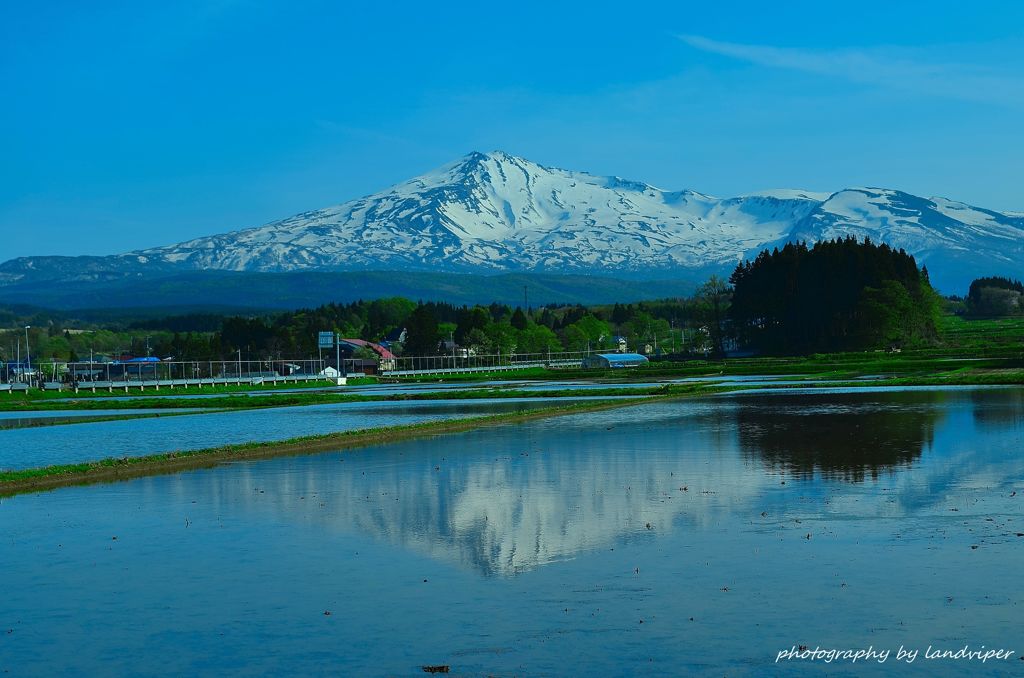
(670, 538)
(41, 446)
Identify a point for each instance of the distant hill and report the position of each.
(288, 290)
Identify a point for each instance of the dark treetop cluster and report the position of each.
(837, 295)
(994, 297)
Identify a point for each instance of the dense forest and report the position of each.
(837, 295)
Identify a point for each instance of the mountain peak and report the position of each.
(481, 167)
(496, 156)
(497, 212)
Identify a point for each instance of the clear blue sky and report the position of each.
(128, 125)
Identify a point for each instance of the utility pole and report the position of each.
(28, 353)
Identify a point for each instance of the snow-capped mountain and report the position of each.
(497, 212)
(489, 213)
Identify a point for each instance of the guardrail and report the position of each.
(157, 384)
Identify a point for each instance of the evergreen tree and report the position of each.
(713, 298)
(519, 319)
(422, 330)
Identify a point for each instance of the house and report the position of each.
(619, 343)
(386, 357)
(395, 336)
(613, 360)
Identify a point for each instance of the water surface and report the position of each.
(35, 447)
(671, 538)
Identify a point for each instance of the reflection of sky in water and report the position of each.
(33, 447)
(544, 545)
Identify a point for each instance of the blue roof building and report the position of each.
(613, 360)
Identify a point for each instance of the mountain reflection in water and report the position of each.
(508, 499)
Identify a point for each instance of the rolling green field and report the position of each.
(995, 336)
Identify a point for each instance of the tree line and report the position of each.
(669, 324)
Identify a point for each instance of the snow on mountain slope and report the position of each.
(498, 212)
(489, 213)
(949, 237)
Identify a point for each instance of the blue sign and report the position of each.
(326, 339)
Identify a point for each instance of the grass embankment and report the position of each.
(115, 469)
